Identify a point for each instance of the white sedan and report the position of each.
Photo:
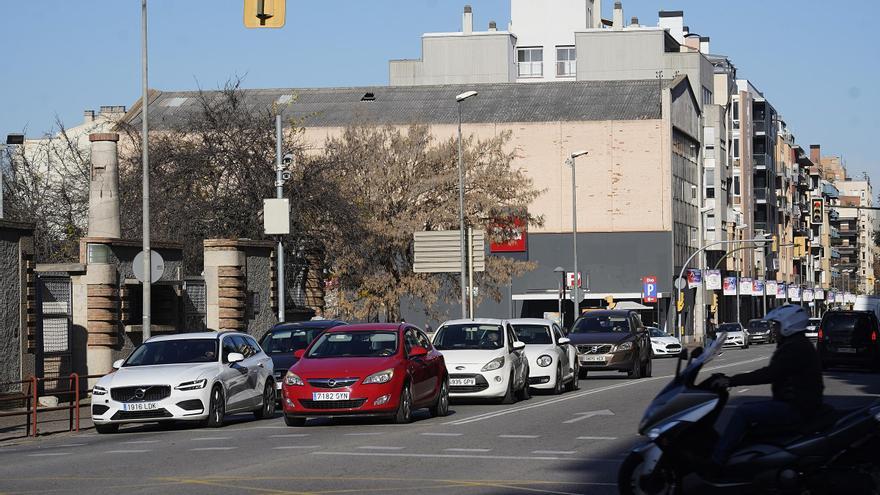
(663, 344)
(552, 360)
(483, 359)
(198, 377)
(737, 336)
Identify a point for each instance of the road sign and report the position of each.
(157, 266)
(440, 251)
(264, 13)
(649, 289)
(569, 280)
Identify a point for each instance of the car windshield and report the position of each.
(288, 341)
(729, 327)
(759, 326)
(533, 334)
(656, 332)
(174, 352)
(469, 336)
(354, 344)
(602, 324)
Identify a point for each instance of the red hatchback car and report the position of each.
(367, 370)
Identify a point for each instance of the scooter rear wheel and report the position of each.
(631, 480)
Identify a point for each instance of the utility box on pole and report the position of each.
(276, 216)
(264, 13)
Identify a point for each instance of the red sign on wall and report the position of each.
(515, 231)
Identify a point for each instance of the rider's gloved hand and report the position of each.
(718, 380)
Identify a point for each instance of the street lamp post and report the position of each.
(576, 280)
(464, 288)
(147, 282)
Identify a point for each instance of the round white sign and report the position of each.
(157, 266)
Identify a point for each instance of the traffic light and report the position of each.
(774, 246)
(800, 247)
(714, 306)
(817, 211)
(264, 13)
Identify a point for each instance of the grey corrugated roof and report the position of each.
(508, 102)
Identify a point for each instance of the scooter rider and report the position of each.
(795, 374)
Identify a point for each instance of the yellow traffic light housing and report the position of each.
(774, 246)
(800, 247)
(817, 211)
(264, 13)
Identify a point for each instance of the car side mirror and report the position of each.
(118, 364)
(235, 357)
(518, 346)
(564, 340)
(299, 353)
(418, 351)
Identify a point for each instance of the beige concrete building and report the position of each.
(856, 241)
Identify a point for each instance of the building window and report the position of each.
(707, 96)
(735, 110)
(736, 190)
(530, 62)
(736, 147)
(709, 153)
(566, 61)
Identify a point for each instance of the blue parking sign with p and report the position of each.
(649, 289)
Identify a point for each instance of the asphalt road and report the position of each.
(566, 444)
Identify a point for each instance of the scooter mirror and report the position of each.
(696, 353)
(683, 355)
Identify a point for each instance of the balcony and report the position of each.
(829, 191)
(762, 161)
(530, 69)
(762, 194)
(759, 126)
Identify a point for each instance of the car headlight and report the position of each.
(292, 379)
(626, 346)
(380, 377)
(545, 360)
(99, 390)
(193, 385)
(494, 364)
(655, 342)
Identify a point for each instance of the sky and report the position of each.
(813, 60)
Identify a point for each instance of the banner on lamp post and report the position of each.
(713, 279)
(694, 278)
(757, 287)
(770, 288)
(781, 290)
(745, 286)
(730, 286)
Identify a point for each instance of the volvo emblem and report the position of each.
(331, 383)
(459, 368)
(595, 348)
(139, 393)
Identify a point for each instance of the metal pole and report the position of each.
(470, 232)
(765, 278)
(574, 240)
(3, 154)
(461, 217)
(279, 193)
(147, 284)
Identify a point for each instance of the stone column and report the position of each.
(225, 285)
(102, 316)
(104, 187)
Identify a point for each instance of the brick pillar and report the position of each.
(225, 285)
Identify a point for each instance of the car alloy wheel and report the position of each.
(509, 396)
(404, 408)
(558, 387)
(267, 409)
(575, 383)
(441, 407)
(217, 408)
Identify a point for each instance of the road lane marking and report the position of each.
(71, 445)
(470, 456)
(379, 447)
(570, 396)
(291, 447)
(597, 438)
(519, 436)
(586, 415)
(365, 434)
(47, 454)
(467, 450)
(292, 435)
(554, 452)
(210, 439)
(201, 449)
(132, 451)
(429, 434)
(138, 442)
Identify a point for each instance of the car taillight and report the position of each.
(820, 333)
(874, 336)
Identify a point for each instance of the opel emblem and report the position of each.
(459, 368)
(331, 382)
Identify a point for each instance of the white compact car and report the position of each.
(737, 336)
(484, 359)
(553, 363)
(189, 377)
(812, 332)
(663, 344)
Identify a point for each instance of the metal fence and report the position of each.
(195, 304)
(54, 321)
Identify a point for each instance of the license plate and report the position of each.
(846, 350)
(140, 406)
(330, 395)
(462, 382)
(592, 359)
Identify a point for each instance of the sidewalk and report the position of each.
(14, 428)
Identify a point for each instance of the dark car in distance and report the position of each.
(284, 339)
(609, 340)
(761, 332)
(849, 338)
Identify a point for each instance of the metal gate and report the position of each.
(54, 320)
(195, 304)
